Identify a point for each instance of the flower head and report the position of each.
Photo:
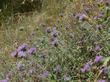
(82, 17)
(32, 50)
(98, 58)
(104, 70)
(54, 42)
(22, 47)
(101, 80)
(4, 80)
(66, 78)
(86, 67)
(54, 32)
(97, 47)
(22, 54)
(14, 54)
(45, 74)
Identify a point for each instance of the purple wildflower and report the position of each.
(14, 54)
(83, 70)
(4, 80)
(66, 78)
(54, 32)
(45, 74)
(57, 68)
(21, 54)
(101, 80)
(97, 47)
(98, 58)
(86, 68)
(54, 42)
(80, 16)
(22, 47)
(104, 70)
(32, 50)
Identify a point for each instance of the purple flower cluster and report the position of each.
(20, 51)
(23, 47)
(4, 80)
(54, 35)
(54, 42)
(88, 65)
(23, 51)
(104, 70)
(101, 80)
(21, 54)
(66, 78)
(54, 32)
(98, 58)
(45, 74)
(97, 47)
(32, 50)
(86, 68)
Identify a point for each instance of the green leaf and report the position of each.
(109, 72)
(85, 26)
(106, 60)
(52, 81)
